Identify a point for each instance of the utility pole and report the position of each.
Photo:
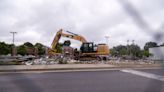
(133, 51)
(14, 51)
(13, 33)
(127, 42)
(133, 42)
(128, 47)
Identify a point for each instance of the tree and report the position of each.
(21, 50)
(40, 47)
(123, 51)
(146, 53)
(30, 49)
(147, 46)
(5, 48)
(113, 52)
(28, 44)
(135, 50)
(119, 50)
(150, 45)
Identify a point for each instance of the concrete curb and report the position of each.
(17, 68)
(52, 67)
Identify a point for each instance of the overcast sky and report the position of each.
(39, 20)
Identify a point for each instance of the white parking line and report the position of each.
(144, 74)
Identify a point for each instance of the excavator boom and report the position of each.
(75, 37)
(71, 36)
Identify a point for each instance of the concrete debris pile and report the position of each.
(50, 61)
(59, 60)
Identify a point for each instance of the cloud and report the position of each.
(39, 20)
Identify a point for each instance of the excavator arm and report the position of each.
(56, 40)
(60, 34)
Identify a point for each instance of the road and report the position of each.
(81, 81)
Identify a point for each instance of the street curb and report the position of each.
(19, 68)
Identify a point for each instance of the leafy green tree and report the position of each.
(122, 50)
(40, 47)
(146, 53)
(149, 45)
(135, 50)
(5, 48)
(126, 50)
(119, 50)
(28, 44)
(21, 50)
(113, 52)
(30, 49)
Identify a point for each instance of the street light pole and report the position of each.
(107, 40)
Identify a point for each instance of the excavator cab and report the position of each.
(88, 47)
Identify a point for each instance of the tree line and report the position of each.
(120, 50)
(24, 49)
(28, 48)
(133, 50)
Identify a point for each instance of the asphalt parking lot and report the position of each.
(84, 81)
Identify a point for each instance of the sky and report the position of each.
(39, 20)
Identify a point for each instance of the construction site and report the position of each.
(81, 46)
(88, 53)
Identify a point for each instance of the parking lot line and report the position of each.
(144, 74)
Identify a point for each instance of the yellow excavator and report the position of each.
(88, 50)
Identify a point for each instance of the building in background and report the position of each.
(157, 53)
